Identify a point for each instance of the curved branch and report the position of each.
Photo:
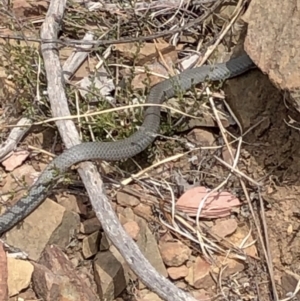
(90, 177)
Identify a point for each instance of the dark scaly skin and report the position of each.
(129, 147)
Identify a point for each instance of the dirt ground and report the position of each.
(271, 155)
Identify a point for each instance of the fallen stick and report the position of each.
(87, 171)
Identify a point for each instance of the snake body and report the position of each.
(129, 147)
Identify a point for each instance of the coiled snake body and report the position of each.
(129, 147)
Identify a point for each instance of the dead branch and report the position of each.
(89, 175)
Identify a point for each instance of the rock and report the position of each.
(123, 220)
(71, 202)
(174, 253)
(19, 275)
(67, 229)
(76, 261)
(132, 228)
(201, 269)
(178, 272)
(4, 273)
(144, 211)
(59, 227)
(90, 226)
(146, 242)
(55, 279)
(201, 294)
(256, 90)
(225, 227)
(15, 159)
(237, 238)
(125, 199)
(201, 137)
(182, 285)
(27, 295)
(128, 214)
(232, 266)
(275, 52)
(190, 277)
(90, 244)
(199, 274)
(146, 295)
(148, 246)
(110, 274)
(125, 214)
(105, 243)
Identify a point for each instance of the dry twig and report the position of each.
(14, 137)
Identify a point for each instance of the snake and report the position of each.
(128, 147)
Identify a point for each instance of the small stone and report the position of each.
(15, 159)
(132, 228)
(201, 294)
(75, 261)
(125, 199)
(146, 295)
(201, 274)
(148, 245)
(225, 227)
(111, 274)
(233, 266)
(72, 203)
(201, 137)
(90, 245)
(181, 284)
(105, 243)
(128, 214)
(143, 211)
(19, 275)
(59, 228)
(55, 279)
(178, 272)
(175, 253)
(90, 226)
